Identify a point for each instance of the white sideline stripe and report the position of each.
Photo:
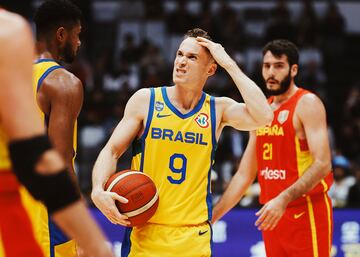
(144, 208)
(115, 181)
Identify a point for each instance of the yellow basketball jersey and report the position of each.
(5, 163)
(53, 242)
(176, 150)
(42, 68)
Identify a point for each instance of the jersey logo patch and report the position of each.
(159, 106)
(283, 115)
(202, 120)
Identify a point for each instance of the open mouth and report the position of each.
(181, 71)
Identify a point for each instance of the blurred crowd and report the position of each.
(130, 44)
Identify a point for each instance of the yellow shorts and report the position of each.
(51, 239)
(154, 240)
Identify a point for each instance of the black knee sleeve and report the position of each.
(55, 190)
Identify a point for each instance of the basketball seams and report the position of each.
(137, 188)
(120, 177)
(143, 208)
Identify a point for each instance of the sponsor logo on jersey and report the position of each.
(162, 115)
(178, 136)
(283, 115)
(298, 215)
(275, 174)
(202, 232)
(202, 120)
(159, 106)
(270, 131)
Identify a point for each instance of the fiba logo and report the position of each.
(159, 106)
(202, 120)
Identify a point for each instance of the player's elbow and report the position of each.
(324, 166)
(266, 118)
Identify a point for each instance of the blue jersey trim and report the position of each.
(150, 113)
(45, 60)
(126, 244)
(47, 72)
(56, 236)
(212, 158)
(208, 193)
(213, 121)
(176, 111)
(148, 123)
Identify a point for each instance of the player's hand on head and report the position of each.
(270, 214)
(105, 202)
(217, 51)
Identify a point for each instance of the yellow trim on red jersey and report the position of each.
(304, 158)
(313, 227)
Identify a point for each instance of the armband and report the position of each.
(56, 190)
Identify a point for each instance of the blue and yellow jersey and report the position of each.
(52, 240)
(42, 68)
(176, 150)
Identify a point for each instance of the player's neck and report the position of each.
(46, 51)
(279, 99)
(184, 98)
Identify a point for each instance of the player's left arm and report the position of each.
(256, 112)
(312, 116)
(66, 98)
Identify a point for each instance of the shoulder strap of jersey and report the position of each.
(52, 65)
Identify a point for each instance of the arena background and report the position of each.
(127, 45)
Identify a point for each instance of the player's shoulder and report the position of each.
(142, 94)
(140, 99)
(222, 100)
(309, 105)
(63, 82)
(138, 103)
(65, 77)
(309, 99)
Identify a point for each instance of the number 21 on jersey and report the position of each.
(267, 153)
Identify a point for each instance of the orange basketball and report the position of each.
(141, 192)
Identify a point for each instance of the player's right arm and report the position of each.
(22, 124)
(240, 182)
(125, 132)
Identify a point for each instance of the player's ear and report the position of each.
(61, 34)
(212, 68)
(294, 70)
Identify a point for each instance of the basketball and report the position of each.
(141, 192)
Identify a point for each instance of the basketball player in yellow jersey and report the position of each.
(174, 132)
(59, 95)
(27, 156)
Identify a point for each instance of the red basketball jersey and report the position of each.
(281, 156)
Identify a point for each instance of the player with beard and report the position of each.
(59, 95)
(291, 158)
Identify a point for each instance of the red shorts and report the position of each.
(304, 230)
(17, 237)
